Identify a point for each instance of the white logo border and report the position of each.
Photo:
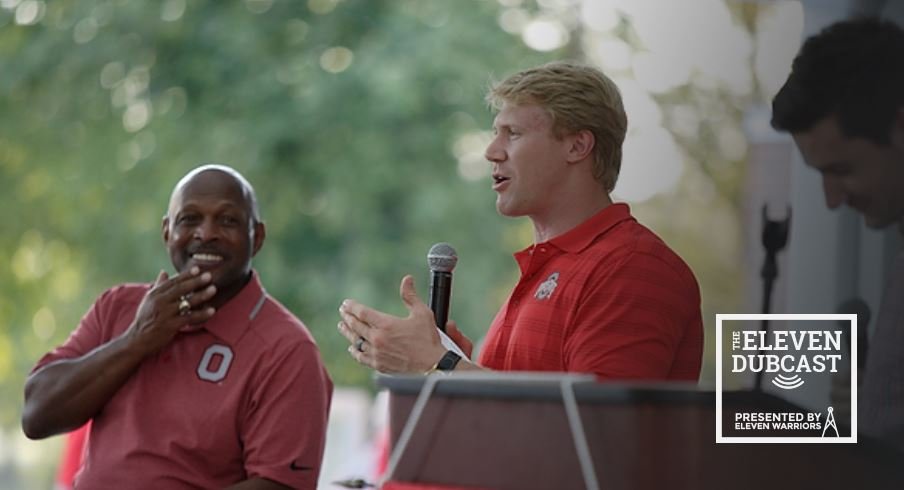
(850, 317)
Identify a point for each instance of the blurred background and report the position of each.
(362, 126)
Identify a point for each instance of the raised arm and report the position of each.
(66, 393)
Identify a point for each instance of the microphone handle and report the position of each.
(440, 293)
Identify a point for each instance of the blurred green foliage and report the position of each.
(355, 120)
(343, 115)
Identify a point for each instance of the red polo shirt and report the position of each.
(608, 298)
(244, 396)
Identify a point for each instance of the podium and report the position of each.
(557, 431)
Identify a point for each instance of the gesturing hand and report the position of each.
(388, 343)
(162, 313)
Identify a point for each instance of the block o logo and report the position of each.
(215, 363)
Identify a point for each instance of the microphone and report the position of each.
(442, 259)
(858, 307)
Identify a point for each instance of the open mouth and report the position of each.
(206, 258)
(499, 181)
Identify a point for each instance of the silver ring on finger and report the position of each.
(359, 344)
(184, 306)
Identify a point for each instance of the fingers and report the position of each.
(190, 281)
(358, 333)
(416, 307)
(350, 334)
(374, 318)
(191, 286)
(161, 278)
(195, 299)
(200, 315)
(200, 297)
(453, 332)
(352, 310)
(353, 329)
(409, 294)
(459, 338)
(388, 343)
(364, 358)
(164, 283)
(359, 347)
(182, 283)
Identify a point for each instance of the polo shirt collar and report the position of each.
(231, 321)
(583, 235)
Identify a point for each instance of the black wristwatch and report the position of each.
(446, 363)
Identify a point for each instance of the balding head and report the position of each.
(240, 180)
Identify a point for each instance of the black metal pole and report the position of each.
(775, 237)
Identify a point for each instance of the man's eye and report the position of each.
(229, 220)
(187, 219)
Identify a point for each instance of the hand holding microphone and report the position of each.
(392, 344)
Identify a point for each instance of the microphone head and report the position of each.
(442, 257)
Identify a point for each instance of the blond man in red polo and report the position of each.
(599, 293)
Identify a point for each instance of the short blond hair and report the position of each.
(576, 97)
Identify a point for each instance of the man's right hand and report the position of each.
(66, 393)
(159, 317)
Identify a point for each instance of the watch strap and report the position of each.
(446, 363)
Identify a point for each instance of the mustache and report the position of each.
(202, 249)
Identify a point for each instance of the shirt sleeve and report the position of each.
(86, 337)
(284, 431)
(632, 320)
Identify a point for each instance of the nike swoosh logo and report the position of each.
(295, 467)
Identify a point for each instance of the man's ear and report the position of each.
(164, 231)
(581, 146)
(260, 232)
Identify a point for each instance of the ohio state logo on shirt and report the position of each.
(547, 287)
(215, 363)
